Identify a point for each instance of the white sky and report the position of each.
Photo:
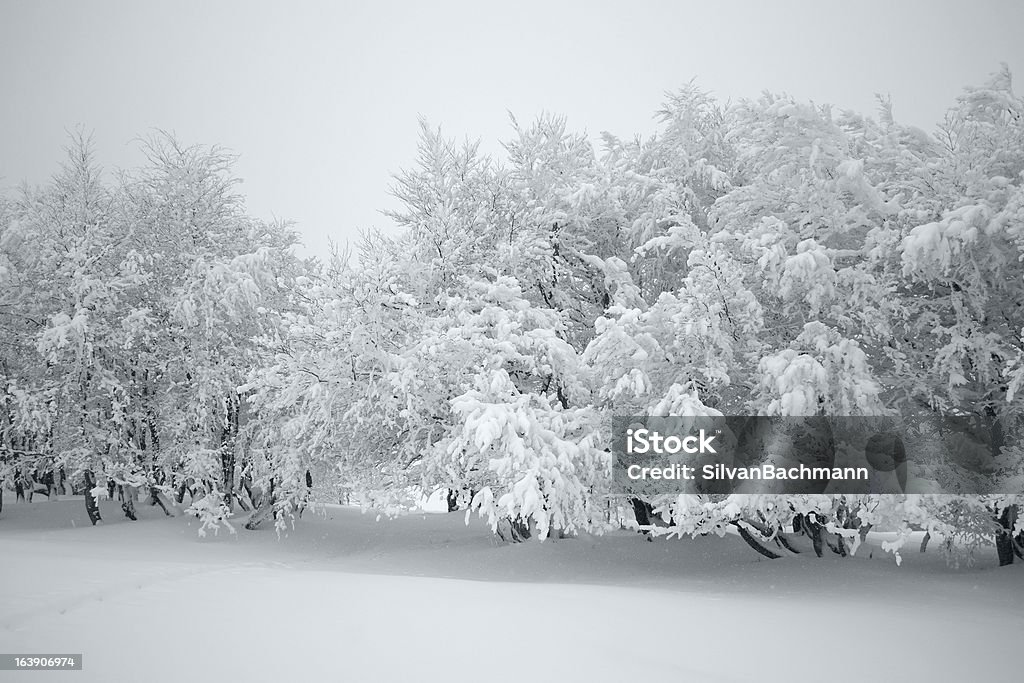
(320, 100)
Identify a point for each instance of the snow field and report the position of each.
(426, 598)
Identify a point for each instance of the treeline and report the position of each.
(768, 257)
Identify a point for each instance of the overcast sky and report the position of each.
(320, 100)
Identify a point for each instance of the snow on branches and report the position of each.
(767, 257)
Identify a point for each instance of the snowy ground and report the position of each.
(424, 598)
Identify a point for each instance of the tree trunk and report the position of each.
(815, 532)
(228, 475)
(1004, 536)
(262, 514)
(92, 507)
(804, 523)
(839, 547)
(128, 502)
(180, 494)
(156, 498)
(244, 495)
(752, 542)
(643, 512)
(265, 510)
(46, 484)
(512, 530)
(242, 502)
(247, 489)
(784, 542)
(227, 450)
(307, 495)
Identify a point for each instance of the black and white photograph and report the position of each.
(523, 342)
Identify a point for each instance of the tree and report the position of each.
(128, 302)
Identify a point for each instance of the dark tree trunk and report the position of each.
(240, 499)
(262, 514)
(1004, 536)
(643, 512)
(520, 529)
(784, 542)
(563, 400)
(805, 524)
(839, 547)
(513, 530)
(452, 498)
(156, 498)
(92, 508)
(228, 475)
(128, 502)
(307, 495)
(227, 450)
(247, 488)
(815, 531)
(19, 487)
(45, 483)
(753, 543)
(265, 510)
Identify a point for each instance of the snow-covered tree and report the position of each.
(141, 300)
